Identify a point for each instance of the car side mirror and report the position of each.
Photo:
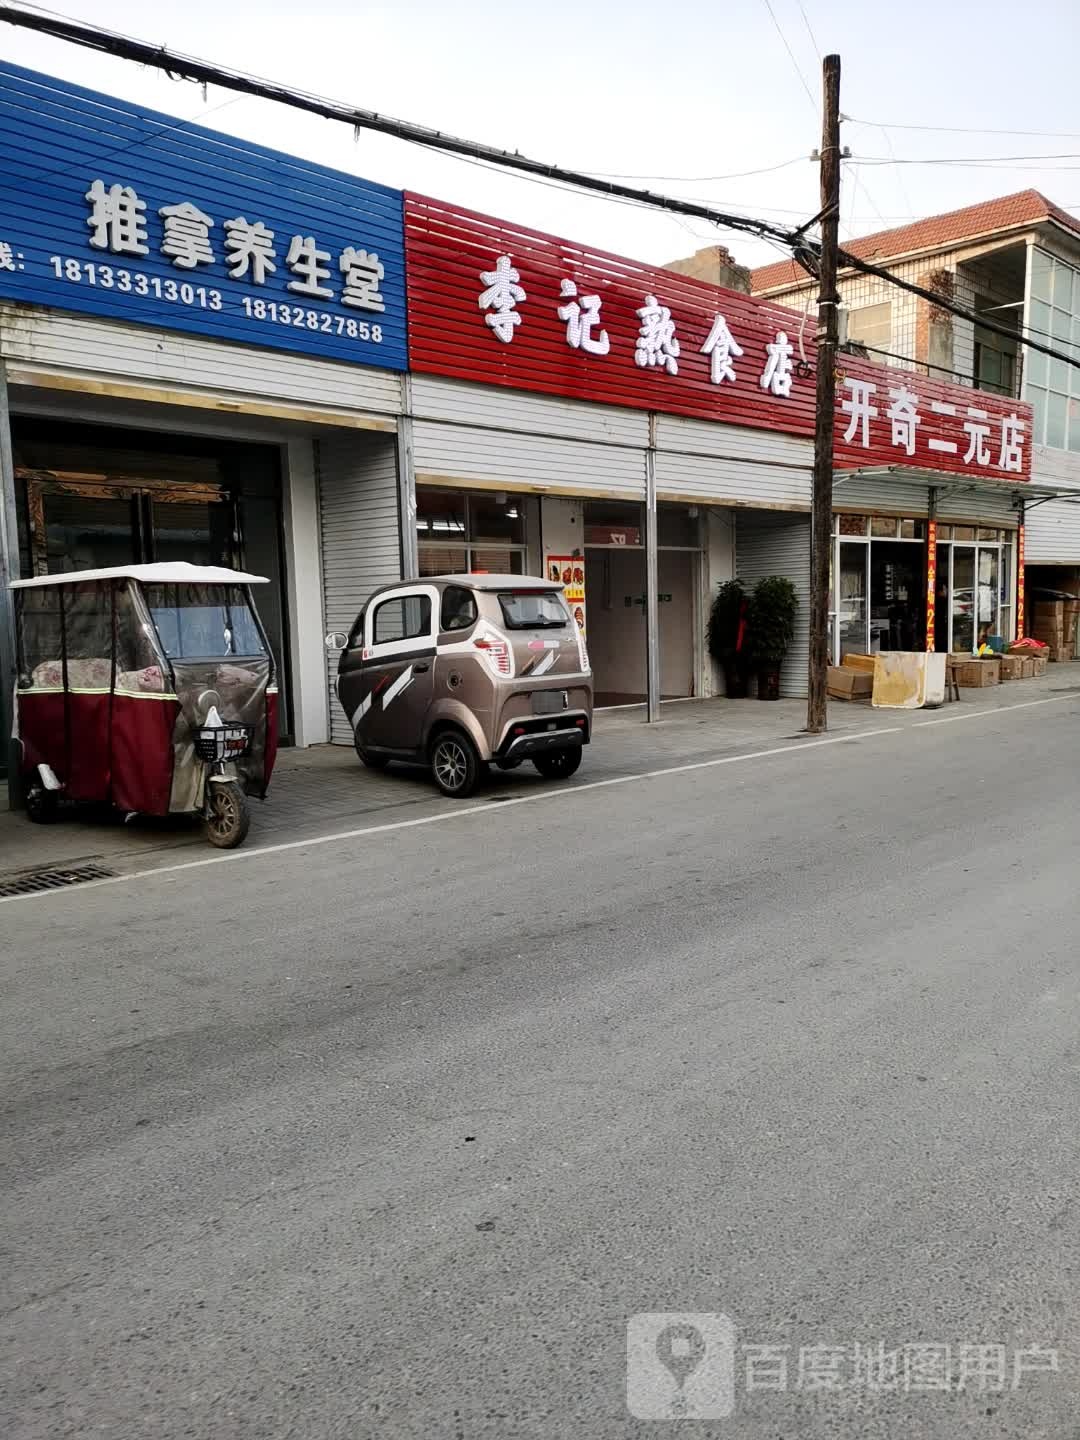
(335, 640)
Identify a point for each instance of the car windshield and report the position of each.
(204, 621)
(534, 609)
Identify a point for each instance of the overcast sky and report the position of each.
(678, 88)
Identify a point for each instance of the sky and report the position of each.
(687, 95)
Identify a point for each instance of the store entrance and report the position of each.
(879, 589)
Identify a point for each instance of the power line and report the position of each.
(809, 30)
(791, 54)
(1005, 161)
(187, 67)
(705, 179)
(966, 129)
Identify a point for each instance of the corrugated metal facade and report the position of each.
(1052, 531)
(726, 464)
(483, 435)
(361, 548)
(76, 346)
(767, 543)
(975, 506)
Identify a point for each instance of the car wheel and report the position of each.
(455, 765)
(558, 764)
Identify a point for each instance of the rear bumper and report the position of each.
(571, 730)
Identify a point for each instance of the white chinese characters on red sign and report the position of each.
(997, 444)
(656, 343)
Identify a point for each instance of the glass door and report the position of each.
(963, 598)
(199, 531)
(987, 598)
(852, 609)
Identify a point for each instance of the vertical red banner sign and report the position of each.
(931, 583)
(1020, 616)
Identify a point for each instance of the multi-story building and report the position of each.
(1016, 261)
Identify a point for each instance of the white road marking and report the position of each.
(485, 808)
(999, 710)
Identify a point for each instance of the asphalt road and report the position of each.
(392, 1136)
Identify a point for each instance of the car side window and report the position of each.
(458, 609)
(405, 617)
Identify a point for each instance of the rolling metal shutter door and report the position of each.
(361, 546)
(769, 543)
(882, 497)
(1052, 533)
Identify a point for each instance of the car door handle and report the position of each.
(420, 667)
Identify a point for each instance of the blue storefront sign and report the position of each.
(116, 211)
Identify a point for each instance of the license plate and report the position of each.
(548, 702)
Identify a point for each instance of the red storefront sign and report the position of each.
(497, 304)
(612, 535)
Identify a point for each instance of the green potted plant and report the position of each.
(771, 615)
(728, 636)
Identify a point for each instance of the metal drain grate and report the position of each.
(56, 878)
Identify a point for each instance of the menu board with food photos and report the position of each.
(569, 570)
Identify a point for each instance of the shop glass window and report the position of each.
(963, 532)
(406, 617)
(203, 622)
(992, 536)
(883, 527)
(442, 560)
(502, 521)
(496, 562)
(440, 514)
(853, 524)
(675, 526)
(912, 529)
(619, 514)
(944, 532)
(458, 609)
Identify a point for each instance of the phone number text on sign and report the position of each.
(109, 277)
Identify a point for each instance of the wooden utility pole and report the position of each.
(827, 342)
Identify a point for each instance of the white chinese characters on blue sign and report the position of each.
(108, 209)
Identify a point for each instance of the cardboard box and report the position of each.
(845, 682)
(1012, 667)
(976, 674)
(1039, 664)
(1027, 667)
(1049, 610)
(859, 662)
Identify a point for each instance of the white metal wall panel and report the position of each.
(536, 462)
(500, 408)
(730, 464)
(767, 543)
(75, 344)
(883, 496)
(1052, 531)
(361, 547)
(977, 507)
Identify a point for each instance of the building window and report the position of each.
(462, 532)
(1052, 387)
(871, 325)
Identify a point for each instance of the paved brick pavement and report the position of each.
(325, 789)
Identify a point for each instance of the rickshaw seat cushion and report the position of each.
(90, 674)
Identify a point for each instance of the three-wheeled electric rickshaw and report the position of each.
(150, 688)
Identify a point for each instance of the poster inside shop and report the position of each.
(569, 570)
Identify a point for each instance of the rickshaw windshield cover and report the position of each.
(200, 622)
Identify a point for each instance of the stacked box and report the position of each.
(859, 662)
(1012, 667)
(1040, 662)
(1054, 623)
(1027, 663)
(978, 673)
(848, 682)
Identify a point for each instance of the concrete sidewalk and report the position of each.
(325, 789)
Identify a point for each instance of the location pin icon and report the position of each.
(680, 1348)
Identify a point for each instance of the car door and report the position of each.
(397, 667)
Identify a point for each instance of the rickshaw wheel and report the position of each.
(227, 816)
(41, 805)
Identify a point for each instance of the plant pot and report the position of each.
(736, 681)
(768, 682)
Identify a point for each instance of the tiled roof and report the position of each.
(1027, 207)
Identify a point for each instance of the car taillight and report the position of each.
(496, 653)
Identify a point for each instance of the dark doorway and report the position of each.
(897, 605)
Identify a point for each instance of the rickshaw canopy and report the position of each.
(177, 572)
